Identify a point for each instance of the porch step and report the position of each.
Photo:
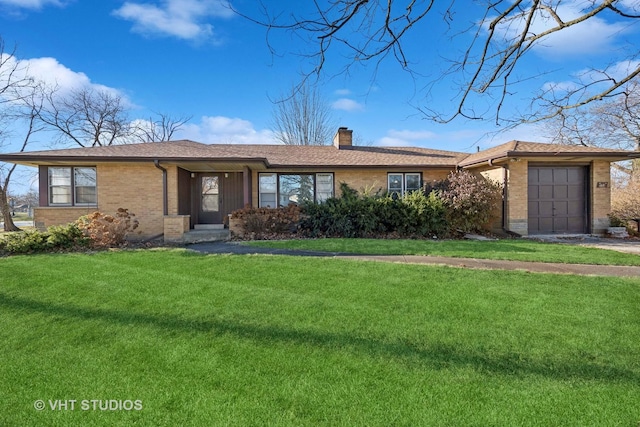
(208, 226)
(206, 235)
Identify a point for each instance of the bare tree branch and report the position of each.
(15, 87)
(302, 118)
(162, 128)
(86, 117)
(362, 31)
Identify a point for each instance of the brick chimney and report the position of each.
(343, 138)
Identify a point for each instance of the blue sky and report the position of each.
(194, 57)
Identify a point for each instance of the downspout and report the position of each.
(505, 195)
(505, 198)
(165, 202)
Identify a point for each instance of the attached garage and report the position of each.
(557, 197)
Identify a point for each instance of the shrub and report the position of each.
(471, 201)
(68, 236)
(424, 215)
(108, 230)
(55, 238)
(625, 205)
(265, 223)
(354, 215)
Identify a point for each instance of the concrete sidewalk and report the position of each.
(537, 267)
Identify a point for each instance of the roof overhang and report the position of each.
(559, 157)
(207, 164)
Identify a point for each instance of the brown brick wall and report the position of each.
(518, 197)
(44, 217)
(136, 187)
(600, 197)
(175, 226)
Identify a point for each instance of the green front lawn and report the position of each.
(272, 340)
(508, 249)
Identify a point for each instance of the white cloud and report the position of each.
(55, 75)
(343, 92)
(594, 35)
(403, 138)
(31, 4)
(183, 19)
(225, 130)
(617, 71)
(347, 104)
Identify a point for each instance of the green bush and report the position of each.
(54, 239)
(353, 215)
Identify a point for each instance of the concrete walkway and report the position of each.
(631, 246)
(538, 267)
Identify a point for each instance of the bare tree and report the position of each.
(497, 38)
(88, 117)
(303, 118)
(15, 87)
(614, 123)
(161, 129)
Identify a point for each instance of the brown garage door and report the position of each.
(557, 201)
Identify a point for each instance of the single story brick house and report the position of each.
(174, 186)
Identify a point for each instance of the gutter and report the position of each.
(165, 200)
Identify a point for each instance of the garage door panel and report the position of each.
(560, 192)
(557, 200)
(560, 225)
(560, 208)
(575, 209)
(575, 192)
(545, 223)
(560, 175)
(575, 175)
(545, 192)
(545, 175)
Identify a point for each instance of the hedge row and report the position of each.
(460, 204)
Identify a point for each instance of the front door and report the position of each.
(216, 195)
(210, 200)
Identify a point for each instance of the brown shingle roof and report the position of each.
(270, 155)
(537, 149)
(294, 156)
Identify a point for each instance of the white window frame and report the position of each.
(403, 182)
(70, 185)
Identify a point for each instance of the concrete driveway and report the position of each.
(630, 245)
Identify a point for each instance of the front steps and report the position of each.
(206, 233)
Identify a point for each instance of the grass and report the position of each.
(508, 249)
(268, 340)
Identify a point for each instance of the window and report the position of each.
(401, 183)
(72, 186)
(85, 186)
(324, 186)
(59, 186)
(268, 190)
(210, 201)
(283, 189)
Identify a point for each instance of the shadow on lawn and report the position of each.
(437, 355)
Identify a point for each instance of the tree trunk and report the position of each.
(6, 212)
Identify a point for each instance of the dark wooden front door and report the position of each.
(210, 200)
(557, 200)
(217, 195)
